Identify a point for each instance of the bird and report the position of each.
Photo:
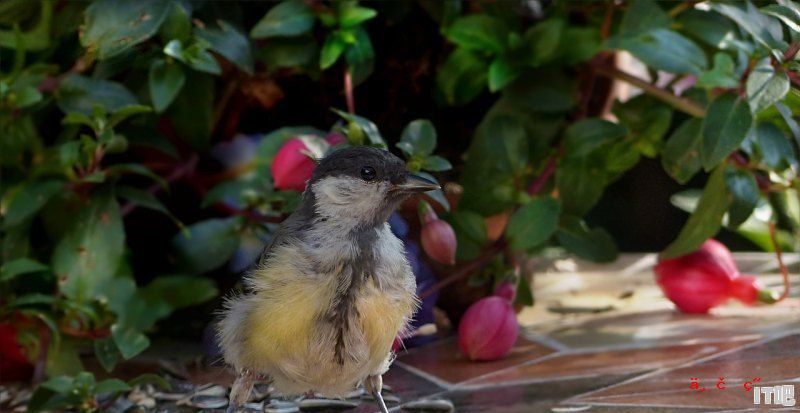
(329, 294)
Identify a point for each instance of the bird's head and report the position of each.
(362, 185)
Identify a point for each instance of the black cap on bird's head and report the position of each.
(373, 165)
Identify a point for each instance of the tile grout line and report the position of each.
(425, 375)
(687, 364)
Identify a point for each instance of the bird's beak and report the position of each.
(414, 183)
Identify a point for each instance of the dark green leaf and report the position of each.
(436, 164)
(591, 244)
(180, 291)
(129, 341)
(502, 71)
(33, 299)
(524, 293)
(229, 42)
(360, 56)
(533, 223)
(91, 249)
(289, 52)
(542, 41)
(331, 50)
(586, 135)
(643, 15)
(195, 55)
(19, 266)
(706, 219)
(681, 154)
(722, 75)
(790, 16)
(462, 77)
(192, 111)
(105, 350)
(773, 145)
(141, 198)
(542, 90)
(724, 128)
(166, 80)
(367, 127)
(648, 120)
(478, 32)
(137, 169)
(111, 386)
(114, 26)
(418, 138)
(470, 230)
(289, 18)
(765, 87)
(81, 94)
(209, 244)
(584, 43)
(663, 49)
(579, 186)
(764, 29)
(744, 191)
(27, 200)
(177, 24)
(708, 27)
(350, 14)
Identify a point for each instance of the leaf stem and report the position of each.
(466, 269)
(781, 264)
(543, 177)
(680, 8)
(348, 92)
(680, 103)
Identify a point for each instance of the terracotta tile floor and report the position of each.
(603, 339)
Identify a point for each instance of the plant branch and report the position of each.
(178, 173)
(781, 265)
(680, 8)
(466, 269)
(680, 103)
(543, 177)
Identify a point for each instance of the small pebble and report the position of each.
(429, 405)
(569, 409)
(314, 404)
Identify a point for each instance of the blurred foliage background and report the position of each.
(137, 139)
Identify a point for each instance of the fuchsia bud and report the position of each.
(295, 161)
(506, 290)
(488, 329)
(437, 236)
(706, 278)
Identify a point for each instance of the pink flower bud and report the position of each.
(488, 329)
(437, 236)
(335, 139)
(506, 290)
(294, 163)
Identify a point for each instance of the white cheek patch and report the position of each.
(347, 197)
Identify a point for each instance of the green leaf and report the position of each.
(592, 244)
(19, 266)
(289, 18)
(724, 128)
(478, 32)
(663, 49)
(91, 249)
(579, 185)
(332, 49)
(462, 77)
(81, 94)
(114, 26)
(586, 135)
(533, 223)
(542, 90)
(123, 113)
(141, 198)
(744, 191)
(360, 56)
(229, 42)
(681, 154)
(129, 341)
(27, 200)
(33, 299)
(774, 146)
(192, 111)
(105, 350)
(208, 244)
(111, 386)
(502, 71)
(524, 293)
(708, 27)
(643, 15)
(180, 291)
(648, 120)
(418, 138)
(470, 230)
(765, 87)
(177, 24)
(367, 127)
(790, 16)
(722, 75)
(165, 81)
(350, 14)
(542, 41)
(136, 169)
(289, 52)
(706, 220)
(436, 164)
(764, 29)
(195, 55)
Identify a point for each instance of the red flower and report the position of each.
(296, 159)
(488, 329)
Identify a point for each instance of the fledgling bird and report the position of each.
(333, 288)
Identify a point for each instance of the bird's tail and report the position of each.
(240, 392)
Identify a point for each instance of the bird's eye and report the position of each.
(368, 173)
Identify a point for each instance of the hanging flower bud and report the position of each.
(295, 161)
(706, 278)
(437, 236)
(488, 329)
(506, 290)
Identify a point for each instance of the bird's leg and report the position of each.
(240, 391)
(374, 385)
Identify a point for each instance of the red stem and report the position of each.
(348, 92)
(465, 270)
(781, 265)
(543, 177)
